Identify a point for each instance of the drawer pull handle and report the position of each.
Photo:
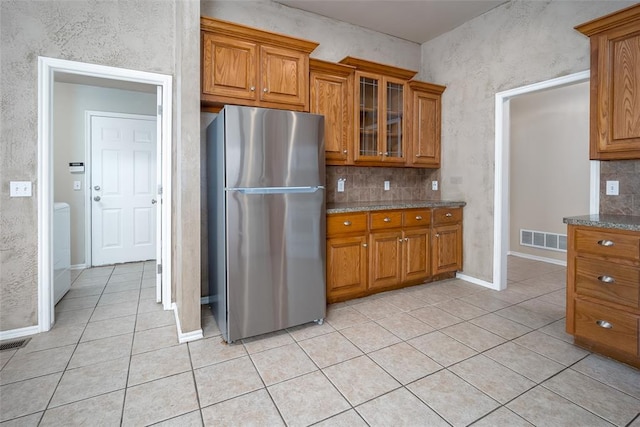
(364, 245)
(604, 324)
(448, 215)
(418, 217)
(387, 219)
(606, 243)
(347, 223)
(606, 279)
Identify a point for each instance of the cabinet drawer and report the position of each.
(417, 218)
(608, 244)
(608, 281)
(607, 326)
(446, 216)
(385, 219)
(346, 223)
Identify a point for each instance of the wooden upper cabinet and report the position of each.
(331, 94)
(379, 113)
(424, 124)
(246, 66)
(615, 84)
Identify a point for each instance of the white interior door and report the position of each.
(123, 189)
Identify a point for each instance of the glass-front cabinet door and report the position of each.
(394, 103)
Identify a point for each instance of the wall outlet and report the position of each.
(20, 189)
(386, 186)
(434, 185)
(613, 188)
(341, 185)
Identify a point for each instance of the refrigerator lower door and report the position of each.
(275, 259)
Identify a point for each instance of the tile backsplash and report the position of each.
(366, 184)
(627, 173)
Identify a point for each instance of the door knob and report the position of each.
(97, 188)
(154, 201)
(97, 198)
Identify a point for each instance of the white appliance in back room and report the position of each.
(61, 250)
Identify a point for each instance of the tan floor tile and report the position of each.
(214, 350)
(542, 407)
(30, 365)
(154, 339)
(267, 341)
(27, 421)
(500, 326)
(486, 302)
(525, 316)
(376, 309)
(148, 293)
(524, 361)
(461, 309)
(545, 308)
(510, 295)
(125, 277)
(617, 375)
(73, 317)
(58, 336)
(102, 350)
(404, 363)
(310, 330)
(552, 348)
(618, 408)
(77, 303)
(399, 408)
(348, 418)
(103, 410)
(473, 336)
(209, 325)
(405, 326)
(108, 328)
(84, 292)
(370, 336)
(191, 419)
(360, 379)
(404, 301)
(502, 417)
(96, 272)
(26, 397)
(282, 363)
(557, 330)
(159, 400)
(493, 379)
(435, 317)
(82, 281)
(556, 297)
(157, 364)
(442, 348)
(122, 287)
(89, 381)
(431, 293)
(252, 409)
(155, 319)
(119, 297)
(147, 305)
(226, 380)
(307, 399)
(453, 399)
(5, 356)
(329, 349)
(130, 267)
(341, 318)
(114, 310)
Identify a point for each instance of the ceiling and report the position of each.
(414, 20)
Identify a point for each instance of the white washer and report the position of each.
(61, 250)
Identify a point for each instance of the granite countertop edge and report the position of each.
(333, 208)
(618, 222)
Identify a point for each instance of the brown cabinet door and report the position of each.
(284, 76)
(385, 265)
(346, 267)
(447, 248)
(425, 130)
(331, 96)
(416, 257)
(229, 67)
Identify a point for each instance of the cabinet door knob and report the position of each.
(96, 198)
(448, 214)
(387, 219)
(605, 243)
(347, 223)
(437, 234)
(418, 217)
(364, 245)
(606, 279)
(386, 153)
(265, 90)
(252, 88)
(604, 324)
(406, 239)
(344, 151)
(379, 153)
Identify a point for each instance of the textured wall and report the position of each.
(337, 39)
(627, 172)
(516, 44)
(129, 34)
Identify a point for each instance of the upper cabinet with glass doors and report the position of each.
(380, 113)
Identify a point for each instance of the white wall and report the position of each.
(549, 166)
(516, 44)
(70, 103)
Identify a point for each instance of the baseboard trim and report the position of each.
(538, 258)
(476, 281)
(19, 333)
(78, 267)
(184, 337)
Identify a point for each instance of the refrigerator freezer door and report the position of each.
(275, 260)
(273, 148)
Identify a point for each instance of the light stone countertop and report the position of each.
(620, 222)
(333, 208)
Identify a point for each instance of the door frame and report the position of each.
(501, 178)
(88, 206)
(47, 67)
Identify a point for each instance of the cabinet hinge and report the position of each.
(159, 268)
(159, 189)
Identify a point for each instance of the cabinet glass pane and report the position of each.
(368, 116)
(394, 119)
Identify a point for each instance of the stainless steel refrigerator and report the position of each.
(266, 220)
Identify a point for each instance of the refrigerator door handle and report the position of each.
(277, 190)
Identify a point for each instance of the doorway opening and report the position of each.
(502, 200)
(51, 70)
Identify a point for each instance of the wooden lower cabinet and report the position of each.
(447, 248)
(385, 265)
(416, 255)
(346, 266)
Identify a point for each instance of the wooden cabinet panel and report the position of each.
(416, 217)
(443, 216)
(345, 223)
(424, 124)
(346, 267)
(608, 243)
(447, 248)
(284, 76)
(610, 328)
(385, 220)
(416, 255)
(385, 266)
(608, 281)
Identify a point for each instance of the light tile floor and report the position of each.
(447, 353)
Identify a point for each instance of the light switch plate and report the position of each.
(434, 185)
(341, 185)
(20, 189)
(613, 188)
(387, 186)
